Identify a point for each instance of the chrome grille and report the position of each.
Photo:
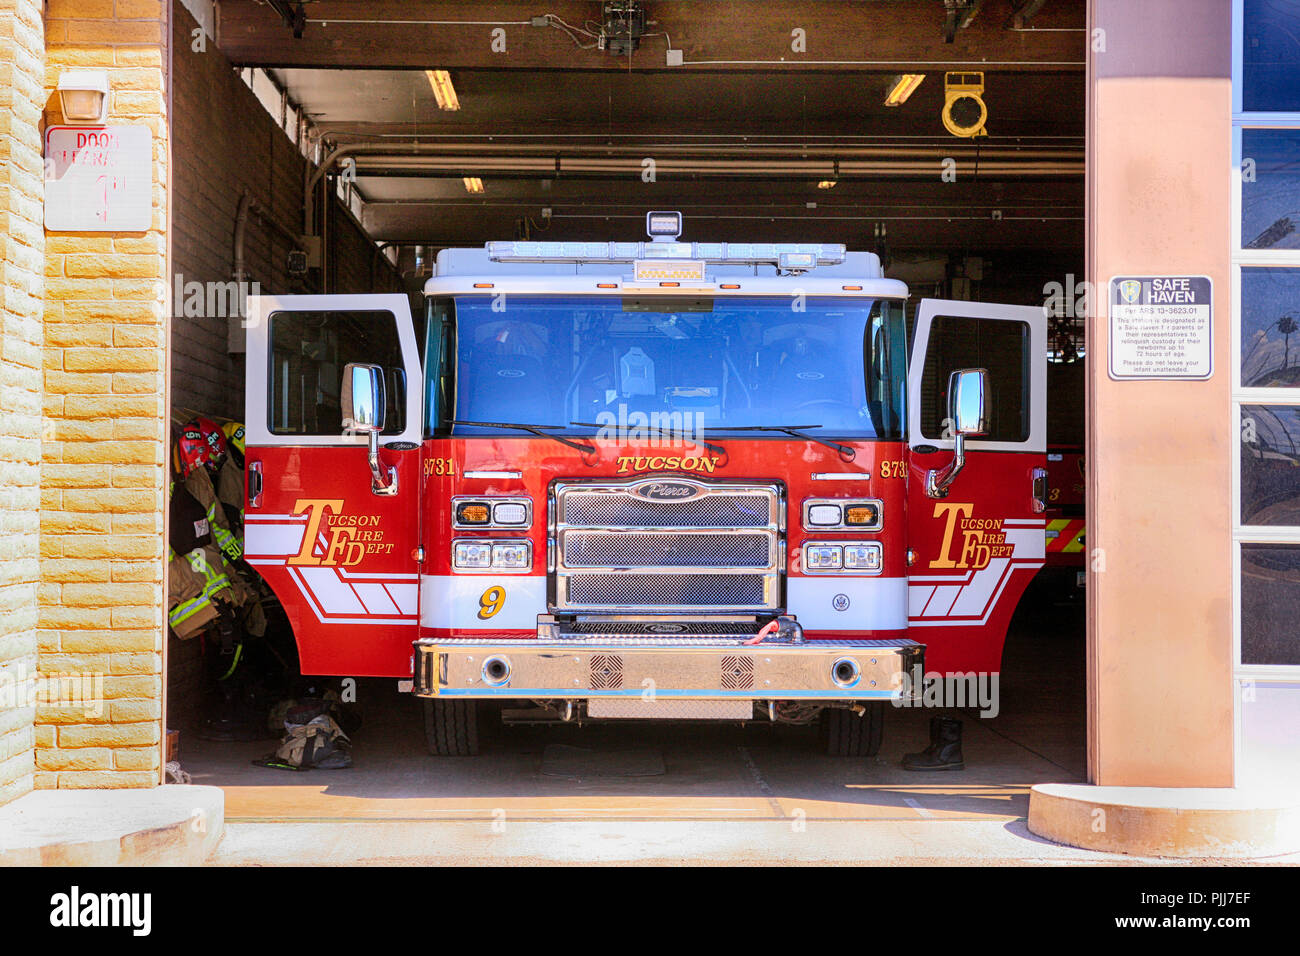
(634, 549)
(606, 510)
(718, 549)
(665, 590)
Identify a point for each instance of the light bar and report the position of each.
(473, 184)
(740, 253)
(443, 91)
(903, 87)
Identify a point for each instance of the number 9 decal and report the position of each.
(491, 601)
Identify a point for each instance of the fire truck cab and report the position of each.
(647, 479)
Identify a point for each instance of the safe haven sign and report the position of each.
(1161, 327)
(98, 178)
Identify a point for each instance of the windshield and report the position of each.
(702, 363)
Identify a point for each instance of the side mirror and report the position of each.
(364, 402)
(967, 408)
(363, 399)
(968, 412)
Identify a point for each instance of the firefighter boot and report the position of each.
(944, 752)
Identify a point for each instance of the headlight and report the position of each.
(510, 556)
(845, 558)
(510, 513)
(823, 557)
(862, 557)
(473, 554)
(480, 555)
(492, 511)
(824, 515)
(851, 514)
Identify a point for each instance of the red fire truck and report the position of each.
(650, 479)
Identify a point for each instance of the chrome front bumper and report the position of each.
(657, 665)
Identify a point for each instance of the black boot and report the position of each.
(944, 752)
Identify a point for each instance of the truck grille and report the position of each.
(638, 549)
(716, 547)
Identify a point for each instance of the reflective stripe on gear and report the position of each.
(214, 581)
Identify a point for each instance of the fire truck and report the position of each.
(653, 479)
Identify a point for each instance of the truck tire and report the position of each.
(849, 734)
(451, 727)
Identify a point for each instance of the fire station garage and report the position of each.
(865, 418)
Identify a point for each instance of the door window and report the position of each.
(1000, 346)
(308, 351)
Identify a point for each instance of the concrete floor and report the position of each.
(750, 794)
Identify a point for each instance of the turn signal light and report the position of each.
(472, 512)
(861, 514)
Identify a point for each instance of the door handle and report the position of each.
(254, 484)
(1040, 490)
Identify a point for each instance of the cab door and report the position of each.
(974, 549)
(340, 550)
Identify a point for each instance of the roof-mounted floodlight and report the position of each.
(663, 226)
(84, 97)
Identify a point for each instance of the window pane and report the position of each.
(308, 353)
(1270, 328)
(1271, 58)
(1270, 603)
(999, 346)
(1270, 751)
(1270, 465)
(1270, 189)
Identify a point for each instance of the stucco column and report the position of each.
(1159, 523)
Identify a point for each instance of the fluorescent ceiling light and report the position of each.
(903, 87)
(443, 91)
(473, 184)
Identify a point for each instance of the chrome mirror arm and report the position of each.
(938, 480)
(380, 485)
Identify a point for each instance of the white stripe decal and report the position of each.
(375, 598)
(452, 601)
(875, 603)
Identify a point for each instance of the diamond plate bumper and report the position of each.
(656, 666)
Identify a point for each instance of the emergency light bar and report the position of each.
(784, 255)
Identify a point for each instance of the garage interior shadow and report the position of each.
(639, 770)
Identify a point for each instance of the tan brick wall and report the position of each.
(105, 432)
(22, 250)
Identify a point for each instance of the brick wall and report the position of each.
(22, 251)
(105, 432)
(231, 145)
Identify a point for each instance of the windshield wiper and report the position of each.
(660, 432)
(535, 429)
(794, 431)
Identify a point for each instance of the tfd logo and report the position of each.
(977, 541)
(348, 538)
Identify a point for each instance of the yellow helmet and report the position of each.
(234, 432)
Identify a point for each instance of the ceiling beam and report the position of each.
(737, 35)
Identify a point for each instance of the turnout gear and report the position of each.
(199, 485)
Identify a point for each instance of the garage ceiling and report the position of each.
(740, 133)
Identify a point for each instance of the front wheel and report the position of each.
(847, 733)
(451, 727)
